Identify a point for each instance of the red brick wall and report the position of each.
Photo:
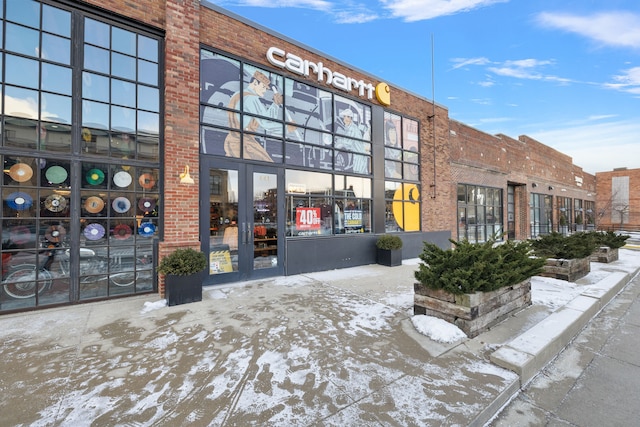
(605, 199)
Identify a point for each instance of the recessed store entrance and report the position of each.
(242, 230)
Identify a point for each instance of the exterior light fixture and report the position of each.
(185, 178)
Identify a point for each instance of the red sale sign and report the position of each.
(308, 218)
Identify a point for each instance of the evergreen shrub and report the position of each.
(559, 246)
(183, 262)
(389, 242)
(477, 267)
(609, 238)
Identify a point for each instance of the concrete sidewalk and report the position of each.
(326, 349)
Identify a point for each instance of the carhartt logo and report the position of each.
(383, 93)
(304, 67)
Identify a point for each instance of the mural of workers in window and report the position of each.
(354, 122)
(410, 140)
(255, 109)
(392, 146)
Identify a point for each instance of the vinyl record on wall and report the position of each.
(94, 204)
(121, 205)
(95, 176)
(146, 229)
(56, 174)
(55, 203)
(94, 232)
(21, 172)
(19, 201)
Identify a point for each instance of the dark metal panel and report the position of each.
(310, 255)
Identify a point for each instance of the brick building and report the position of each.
(134, 128)
(618, 199)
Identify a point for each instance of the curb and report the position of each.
(531, 351)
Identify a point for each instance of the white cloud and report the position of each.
(606, 28)
(597, 146)
(418, 10)
(308, 4)
(348, 17)
(463, 62)
(628, 81)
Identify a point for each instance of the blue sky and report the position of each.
(565, 72)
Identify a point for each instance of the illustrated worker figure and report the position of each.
(359, 164)
(252, 104)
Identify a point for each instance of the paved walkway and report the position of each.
(326, 349)
(595, 381)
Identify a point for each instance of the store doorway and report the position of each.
(242, 230)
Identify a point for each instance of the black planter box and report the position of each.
(390, 258)
(183, 289)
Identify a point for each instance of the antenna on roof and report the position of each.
(433, 116)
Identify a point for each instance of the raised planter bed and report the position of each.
(566, 269)
(604, 254)
(472, 313)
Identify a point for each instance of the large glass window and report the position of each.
(564, 214)
(401, 145)
(80, 196)
(541, 220)
(590, 214)
(321, 204)
(120, 102)
(402, 206)
(479, 213)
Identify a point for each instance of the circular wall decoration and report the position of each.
(94, 204)
(95, 176)
(146, 229)
(94, 232)
(55, 233)
(146, 205)
(21, 172)
(122, 232)
(121, 205)
(122, 179)
(56, 174)
(19, 201)
(55, 203)
(147, 181)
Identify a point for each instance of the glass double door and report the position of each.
(241, 227)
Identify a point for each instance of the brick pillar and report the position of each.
(181, 130)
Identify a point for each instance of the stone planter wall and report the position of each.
(566, 269)
(472, 313)
(604, 254)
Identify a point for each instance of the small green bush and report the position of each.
(609, 238)
(480, 267)
(559, 246)
(183, 262)
(389, 242)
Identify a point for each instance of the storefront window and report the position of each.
(402, 207)
(540, 206)
(91, 215)
(479, 213)
(565, 214)
(319, 204)
(401, 144)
